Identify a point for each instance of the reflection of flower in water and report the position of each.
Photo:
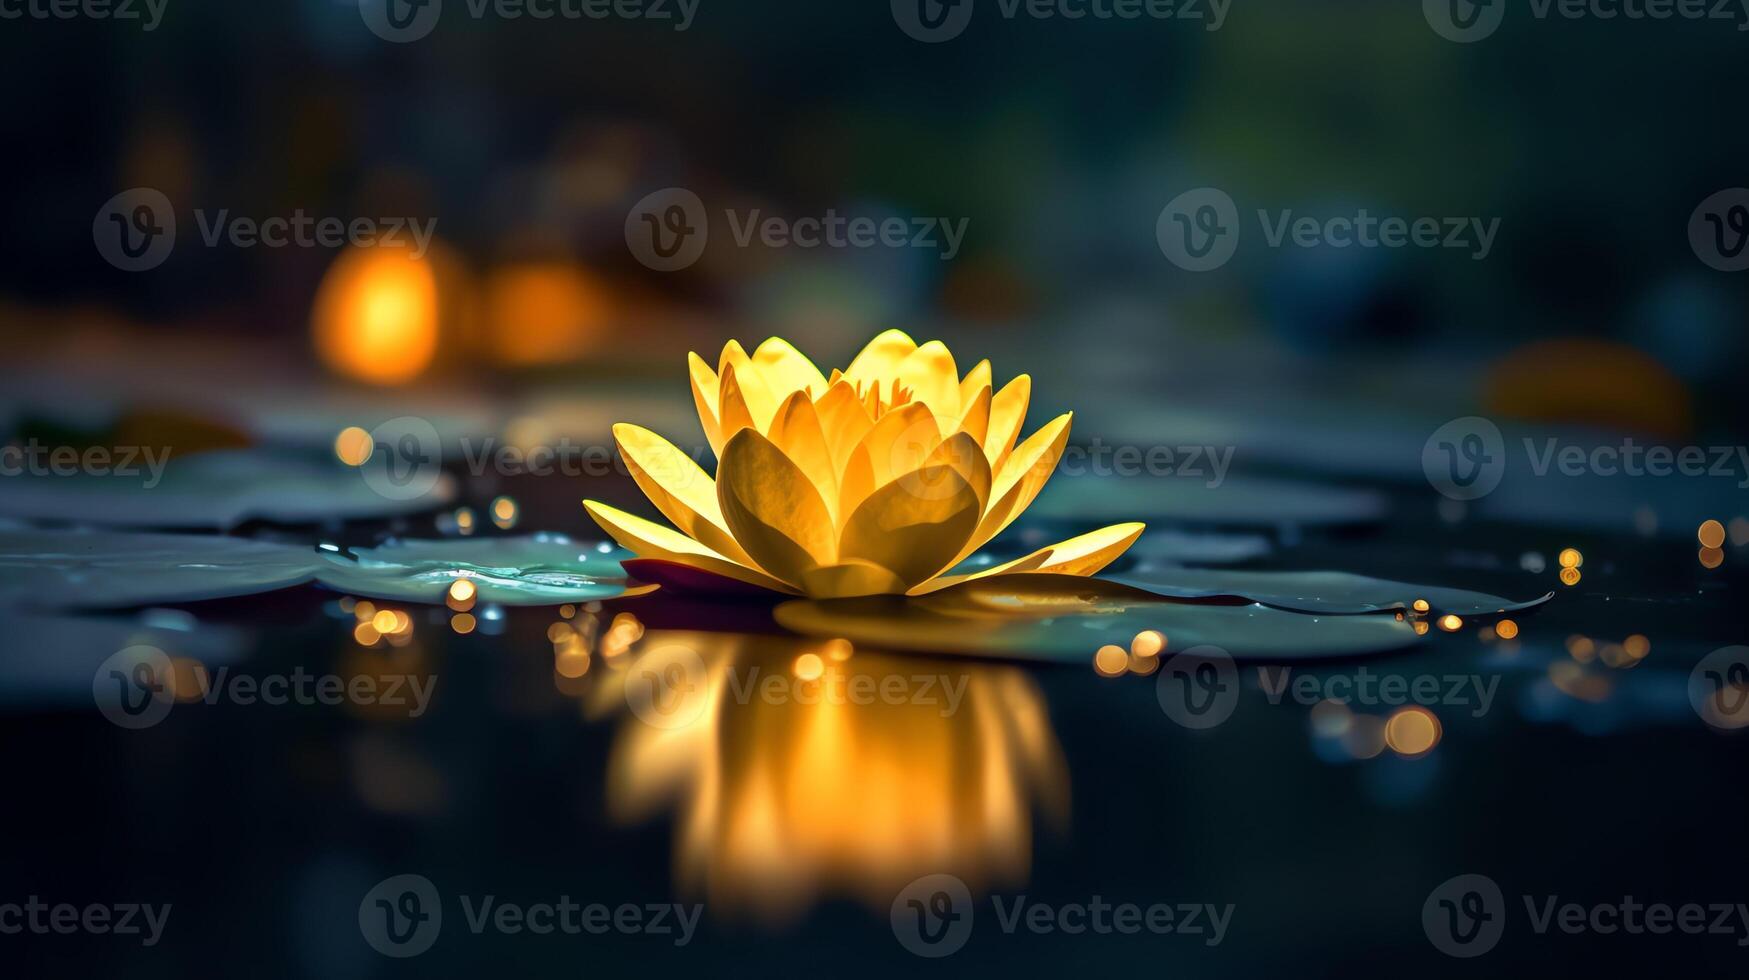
(877, 771)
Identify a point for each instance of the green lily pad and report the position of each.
(71, 569)
(1327, 593)
(537, 570)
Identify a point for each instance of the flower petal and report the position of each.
(1019, 480)
(684, 493)
(930, 373)
(796, 431)
(651, 540)
(1082, 555)
(786, 369)
(1007, 414)
(879, 361)
(704, 397)
(843, 420)
(901, 440)
(913, 536)
(849, 579)
(773, 509)
(976, 419)
(977, 377)
(963, 453)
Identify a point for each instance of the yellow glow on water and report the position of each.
(1421, 606)
(1450, 623)
(504, 513)
(1712, 557)
(1570, 576)
(462, 623)
(1571, 558)
(385, 621)
(1148, 643)
(1111, 660)
(366, 634)
(1581, 648)
(1637, 646)
(840, 649)
(464, 520)
(1712, 535)
(1506, 629)
(1144, 666)
(354, 445)
(1412, 732)
(1420, 626)
(809, 667)
(461, 595)
(375, 316)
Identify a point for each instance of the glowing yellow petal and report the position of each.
(900, 441)
(976, 420)
(843, 420)
(745, 403)
(879, 361)
(930, 373)
(704, 397)
(651, 540)
(1020, 479)
(961, 452)
(977, 377)
(796, 431)
(684, 493)
(772, 508)
(855, 482)
(786, 369)
(1083, 555)
(913, 536)
(1007, 415)
(851, 578)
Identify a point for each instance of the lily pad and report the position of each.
(1066, 618)
(213, 490)
(537, 570)
(71, 569)
(1327, 593)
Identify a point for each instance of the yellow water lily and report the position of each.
(876, 480)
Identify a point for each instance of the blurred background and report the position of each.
(546, 159)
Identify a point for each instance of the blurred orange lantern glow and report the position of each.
(376, 316)
(543, 313)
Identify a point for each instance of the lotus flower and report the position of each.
(875, 481)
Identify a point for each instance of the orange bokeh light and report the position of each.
(376, 316)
